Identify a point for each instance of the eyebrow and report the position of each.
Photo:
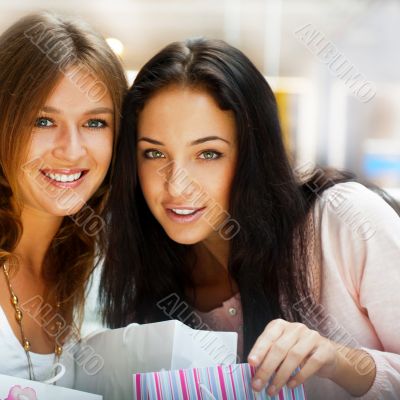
(194, 143)
(98, 110)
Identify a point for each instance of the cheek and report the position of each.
(38, 147)
(33, 160)
(217, 183)
(150, 180)
(101, 150)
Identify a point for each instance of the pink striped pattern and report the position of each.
(223, 382)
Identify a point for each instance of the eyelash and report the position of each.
(147, 152)
(102, 121)
(217, 153)
(46, 119)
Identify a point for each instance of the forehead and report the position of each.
(79, 89)
(183, 111)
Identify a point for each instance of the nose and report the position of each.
(70, 145)
(179, 182)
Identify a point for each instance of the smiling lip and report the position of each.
(64, 185)
(182, 219)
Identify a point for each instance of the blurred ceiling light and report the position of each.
(116, 46)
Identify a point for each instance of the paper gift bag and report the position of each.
(146, 348)
(224, 382)
(12, 388)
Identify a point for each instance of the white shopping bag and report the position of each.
(12, 388)
(146, 348)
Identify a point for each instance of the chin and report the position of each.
(186, 236)
(65, 210)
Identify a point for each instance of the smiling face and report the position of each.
(70, 150)
(186, 156)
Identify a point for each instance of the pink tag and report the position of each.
(17, 393)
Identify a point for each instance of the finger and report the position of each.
(314, 363)
(271, 333)
(296, 356)
(274, 359)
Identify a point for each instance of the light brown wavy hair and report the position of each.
(35, 52)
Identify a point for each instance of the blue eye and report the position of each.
(153, 154)
(210, 155)
(43, 122)
(96, 124)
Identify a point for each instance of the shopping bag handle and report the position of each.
(58, 376)
(209, 394)
(126, 330)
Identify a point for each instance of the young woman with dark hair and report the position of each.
(61, 92)
(208, 219)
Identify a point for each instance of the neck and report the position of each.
(219, 249)
(39, 230)
(212, 260)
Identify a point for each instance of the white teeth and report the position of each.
(183, 212)
(63, 177)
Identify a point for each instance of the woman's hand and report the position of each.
(284, 346)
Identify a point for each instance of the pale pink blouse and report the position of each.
(357, 279)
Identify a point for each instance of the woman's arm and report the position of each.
(361, 246)
(360, 236)
(283, 346)
(355, 371)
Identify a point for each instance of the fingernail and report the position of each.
(291, 383)
(253, 358)
(257, 384)
(271, 390)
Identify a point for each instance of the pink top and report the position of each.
(357, 279)
(227, 318)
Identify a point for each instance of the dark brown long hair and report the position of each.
(270, 257)
(34, 53)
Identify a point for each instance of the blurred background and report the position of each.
(303, 47)
(334, 64)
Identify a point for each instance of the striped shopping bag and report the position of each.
(224, 382)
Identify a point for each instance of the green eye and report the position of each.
(96, 123)
(153, 154)
(210, 155)
(44, 123)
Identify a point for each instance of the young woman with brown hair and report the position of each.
(61, 89)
